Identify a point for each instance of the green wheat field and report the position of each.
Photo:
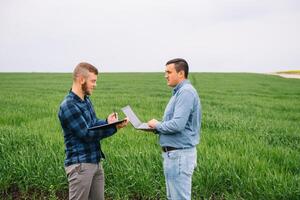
(249, 148)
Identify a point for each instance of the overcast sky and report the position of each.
(141, 35)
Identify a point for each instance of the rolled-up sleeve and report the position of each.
(72, 119)
(107, 132)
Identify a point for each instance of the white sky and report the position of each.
(142, 35)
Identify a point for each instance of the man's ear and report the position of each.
(181, 74)
(81, 79)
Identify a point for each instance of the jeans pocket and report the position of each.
(173, 155)
(171, 164)
(72, 170)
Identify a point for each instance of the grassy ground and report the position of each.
(250, 138)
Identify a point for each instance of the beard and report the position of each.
(85, 89)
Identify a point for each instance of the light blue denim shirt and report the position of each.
(181, 123)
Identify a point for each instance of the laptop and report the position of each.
(134, 120)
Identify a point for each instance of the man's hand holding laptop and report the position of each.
(152, 123)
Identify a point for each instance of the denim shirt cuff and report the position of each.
(157, 128)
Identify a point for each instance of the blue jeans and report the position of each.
(178, 167)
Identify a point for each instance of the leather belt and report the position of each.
(167, 148)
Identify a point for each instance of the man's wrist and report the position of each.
(157, 126)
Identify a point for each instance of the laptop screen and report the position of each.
(132, 117)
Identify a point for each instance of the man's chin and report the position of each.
(169, 84)
(89, 93)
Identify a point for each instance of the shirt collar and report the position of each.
(179, 85)
(76, 97)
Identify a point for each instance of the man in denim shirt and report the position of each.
(83, 150)
(179, 131)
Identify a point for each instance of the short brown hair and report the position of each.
(83, 68)
(180, 64)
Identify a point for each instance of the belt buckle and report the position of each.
(165, 149)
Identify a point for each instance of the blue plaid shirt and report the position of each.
(82, 145)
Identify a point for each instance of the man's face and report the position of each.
(89, 84)
(171, 75)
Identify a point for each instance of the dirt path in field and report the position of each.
(288, 75)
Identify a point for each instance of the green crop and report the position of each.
(249, 148)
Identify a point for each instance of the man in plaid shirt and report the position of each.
(83, 149)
